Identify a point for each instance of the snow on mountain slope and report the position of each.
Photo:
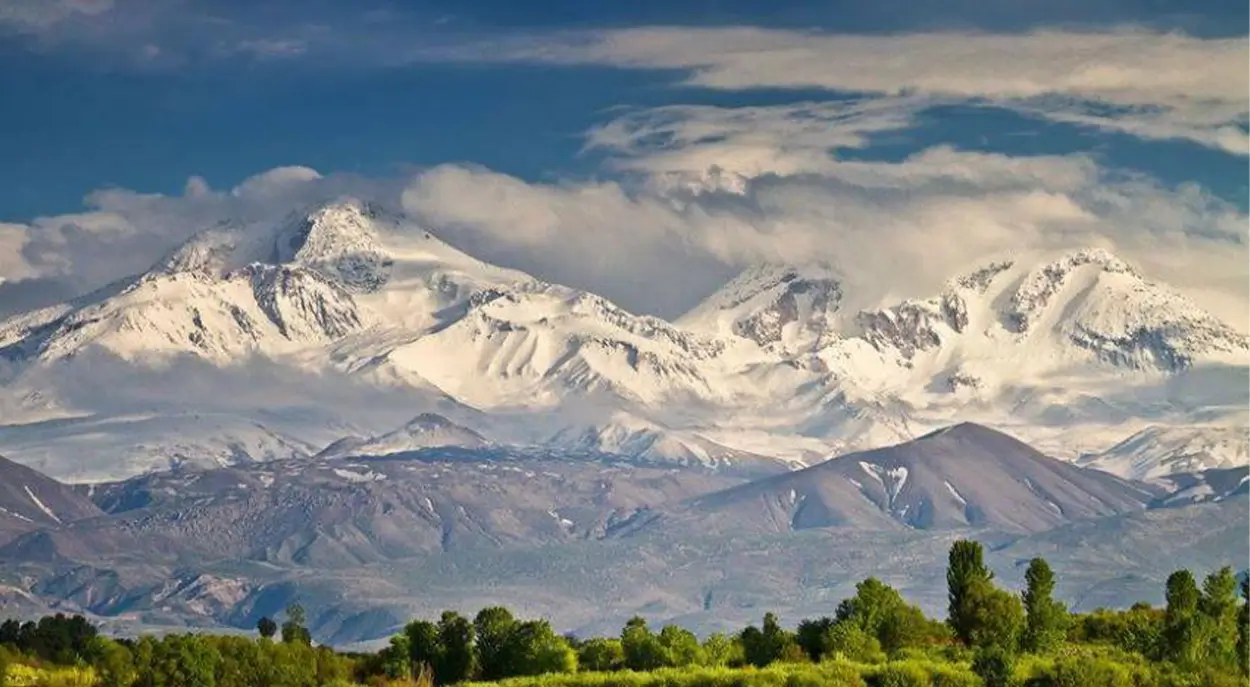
(650, 442)
(29, 500)
(427, 430)
(532, 345)
(957, 476)
(1158, 451)
(1206, 486)
(1012, 324)
(773, 365)
(104, 447)
(786, 310)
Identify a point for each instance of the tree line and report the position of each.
(990, 637)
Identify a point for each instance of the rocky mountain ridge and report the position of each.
(772, 367)
(589, 539)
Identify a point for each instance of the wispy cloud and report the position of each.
(677, 140)
(897, 229)
(1164, 85)
(39, 15)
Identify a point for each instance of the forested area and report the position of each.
(991, 637)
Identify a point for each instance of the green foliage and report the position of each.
(848, 641)
(1046, 620)
(56, 638)
(681, 646)
(1198, 640)
(1218, 626)
(880, 611)
(494, 627)
(994, 664)
(294, 629)
(1139, 629)
(456, 659)
(267, 627)
(642, 649)
(601, 655)
(991, 617)
(762, 646)
(1087, 671)
(1180, 622)
(965, 573)
(113, 663)
(900, 675)
(720, 650)
(425, 647)
(536, 649)
(1243, 628)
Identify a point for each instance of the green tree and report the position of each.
(1243, 627)
(762, 646)
(681, 646)
(813, 637)
(494, 627)
(539, 650)
(720, 650)
(294, 629)
(994, 665)
(425, 647)
(1218, 625)
(1180, 637)
(1046, 620)
(458, 658)
(395, 661)
(879, 610)
(601, 655)
(873, 603)
(267, 627)
(992, 617)
(965, 571)
(847, 639)
(642, 649)
(113, 663)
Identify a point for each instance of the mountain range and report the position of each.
(589, 540)
(332, 329)
(342, 409)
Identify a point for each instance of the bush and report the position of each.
(900, 675)
(953, 676)
(1088, 671)
(994, 665)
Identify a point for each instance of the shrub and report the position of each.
(953, 676)
(994, 665)
(900, 675)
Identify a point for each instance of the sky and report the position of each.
(645, 150)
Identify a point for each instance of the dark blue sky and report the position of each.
(80, 114)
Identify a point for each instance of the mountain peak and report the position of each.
(783, 307)
(340, 240)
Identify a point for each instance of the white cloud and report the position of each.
(124, 232)
(1173, 85)
(896, 229)
(275, 182)
(748, 141)
(36, 15)
(13, 264)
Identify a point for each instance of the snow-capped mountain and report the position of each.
(360, 319)
(426, 430)
(1208, 486)
(783, 309)
(650, 442)
(1158, 451)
